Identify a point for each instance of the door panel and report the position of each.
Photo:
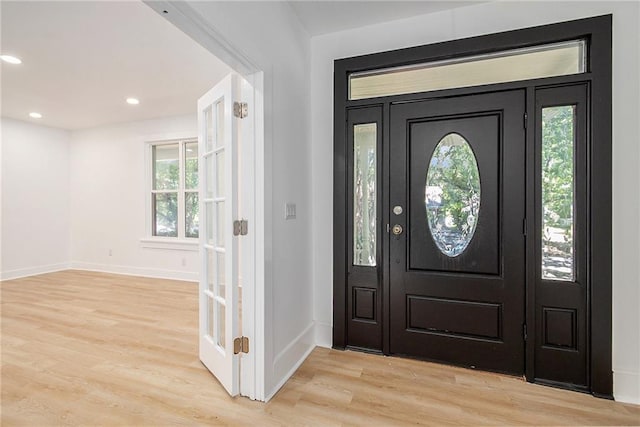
(218, 291)
(561, 237)
(464, 308)
(482, 255)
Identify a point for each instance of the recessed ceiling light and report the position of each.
(35, 115)
(10, 59)
(133, 101)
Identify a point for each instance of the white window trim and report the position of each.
(172, 243)
(180, 242)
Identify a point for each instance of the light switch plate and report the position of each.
(289, 211)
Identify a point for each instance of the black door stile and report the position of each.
(529, 231)
(386, 303)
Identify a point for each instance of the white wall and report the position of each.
(1, 194)
(35, 199)
(270, 35)
(108, 200)
(68, 197)
(477, 20)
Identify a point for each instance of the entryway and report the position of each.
(464, 231)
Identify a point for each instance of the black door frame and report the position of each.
(598, 78)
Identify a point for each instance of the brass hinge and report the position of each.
(240, 110)
(240, 227)
(241, 345)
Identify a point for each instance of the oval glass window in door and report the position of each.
(452, 194)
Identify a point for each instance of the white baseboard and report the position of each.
(291, 357)
(33, 271)
(136, 271)
(324, 334)
(626, 387)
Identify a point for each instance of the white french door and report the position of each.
(218, 292)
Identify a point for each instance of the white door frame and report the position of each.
(184, 17)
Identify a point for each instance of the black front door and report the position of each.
(457, 244)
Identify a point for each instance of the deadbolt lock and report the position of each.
(397, 229)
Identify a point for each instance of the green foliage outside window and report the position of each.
(166, 176)
(452, 194)
(557, 192)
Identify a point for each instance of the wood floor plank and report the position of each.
(85, 348)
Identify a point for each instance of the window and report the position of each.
(556, 59)
(174, 200)
(452, 194)
(558, 188)
(364, 194)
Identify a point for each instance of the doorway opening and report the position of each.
(130, 160)
(231, 141)
(466, 186)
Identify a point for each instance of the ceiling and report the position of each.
(322, 17)
(81, 60)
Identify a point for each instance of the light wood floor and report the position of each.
(83, 348)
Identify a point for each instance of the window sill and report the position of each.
(169, 243)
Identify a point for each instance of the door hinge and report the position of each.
(524, 331)
(241, 345)
(526, 116)
(524, 226)
(240, 227)
(240, 110)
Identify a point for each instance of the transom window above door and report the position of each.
(548, 60)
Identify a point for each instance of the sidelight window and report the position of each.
(558, 144)
(364, 194)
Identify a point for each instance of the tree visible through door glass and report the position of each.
(364, 194)
(452, 194)
(557, 192)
